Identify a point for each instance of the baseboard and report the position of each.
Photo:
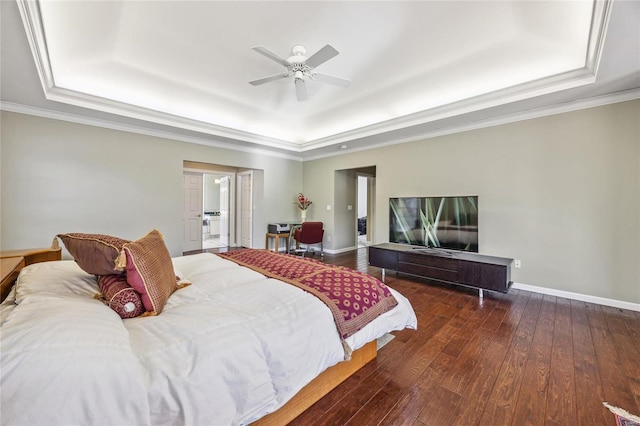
(342, 250)
(578, 296)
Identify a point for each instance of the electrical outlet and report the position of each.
(517, 263)
(328, 206)
(328, 238)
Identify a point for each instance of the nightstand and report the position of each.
(10, 268)
(14, 260)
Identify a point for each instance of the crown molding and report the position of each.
(599, 24)
(84, 100)
(577, 105)
(80, 119)
(597, 101)
(32, 21)
(508, 95)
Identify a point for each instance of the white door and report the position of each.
(224, 211)
(246, 209)
(192, 211)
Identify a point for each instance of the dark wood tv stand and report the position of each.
(448, 266)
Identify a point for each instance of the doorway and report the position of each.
(215, 225)
(208, 215)
(364, 207)
(230, 198)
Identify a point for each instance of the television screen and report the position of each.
(442, 222)
(405, 223)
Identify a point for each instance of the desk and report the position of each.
(277, 238)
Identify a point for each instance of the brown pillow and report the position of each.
(95, 253)
(150, 271)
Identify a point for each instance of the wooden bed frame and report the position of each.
(320, 386)
(14, 260)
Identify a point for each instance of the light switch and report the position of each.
(349, 207)
(328, 206)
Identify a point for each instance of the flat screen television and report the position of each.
(437, 222)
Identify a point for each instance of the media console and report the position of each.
(448, 266)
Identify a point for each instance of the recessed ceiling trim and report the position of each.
(32, 21)
(106, 124)
(114, 107)
(526, 115)
(628, 95)
(597, 34)
(516, 93)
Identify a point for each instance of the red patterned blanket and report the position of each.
(354, 298)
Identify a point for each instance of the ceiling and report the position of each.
(417, 68)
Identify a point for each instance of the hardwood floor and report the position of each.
(515, 359)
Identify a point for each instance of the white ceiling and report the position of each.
(417, 68)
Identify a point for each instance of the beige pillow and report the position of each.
(150, 270)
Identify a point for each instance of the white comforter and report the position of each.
(228, 349)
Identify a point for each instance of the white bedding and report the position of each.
(228, 349)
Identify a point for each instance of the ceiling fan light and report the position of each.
(298, 74)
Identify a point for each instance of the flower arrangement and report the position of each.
(303, 202)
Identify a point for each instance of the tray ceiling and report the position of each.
(187, 64)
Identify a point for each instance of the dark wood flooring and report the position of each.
(511, 359)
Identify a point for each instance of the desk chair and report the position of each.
(309, 233)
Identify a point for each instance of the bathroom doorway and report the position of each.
(215, 224)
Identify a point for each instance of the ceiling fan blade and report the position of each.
(321, 56)
(267, 79)
(326, 78)
(301, 89)
(269, 54)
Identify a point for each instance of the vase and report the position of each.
(303, 215)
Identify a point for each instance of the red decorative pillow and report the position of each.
(95, 253)
(150, 270)
(120, 296)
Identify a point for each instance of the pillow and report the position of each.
(120, 296)
(95, 253)
(150, 270)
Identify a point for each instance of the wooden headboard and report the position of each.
(13, 261)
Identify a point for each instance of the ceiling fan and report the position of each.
(301, 68)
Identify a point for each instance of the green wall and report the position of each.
(60, 177)
(561, 193)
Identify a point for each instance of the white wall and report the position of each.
(561, 193)
(62, 177)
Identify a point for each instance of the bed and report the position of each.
(231, 348)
